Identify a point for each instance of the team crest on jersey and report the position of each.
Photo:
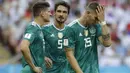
(86, 32)
(92, 30)
(60, 35)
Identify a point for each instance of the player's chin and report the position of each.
(62, 21)
(93, 23)
(48, 20)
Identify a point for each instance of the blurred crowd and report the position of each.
(16, 14)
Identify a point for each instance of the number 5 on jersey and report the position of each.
(62, 42)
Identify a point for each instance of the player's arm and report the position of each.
(26, 52)
(24, 46)
(72, 60)
(105, 38)
(69, 50)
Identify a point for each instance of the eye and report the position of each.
(64, 11)
(58, 10)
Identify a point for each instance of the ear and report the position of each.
(42, 13)
(88, 12)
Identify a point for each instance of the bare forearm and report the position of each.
(105, 33)
(106, 39)
(27, 56)
(74, 64)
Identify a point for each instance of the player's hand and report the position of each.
(37, 69)
(100, 13)
(48, 62)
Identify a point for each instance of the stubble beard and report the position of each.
(60, 22)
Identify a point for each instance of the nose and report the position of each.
(60, 13)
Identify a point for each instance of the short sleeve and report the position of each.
(70, 39)
(99, 30)
(99, 33)
(29, 34)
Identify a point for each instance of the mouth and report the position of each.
(61, 17)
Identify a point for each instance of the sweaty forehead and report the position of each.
(62, 8)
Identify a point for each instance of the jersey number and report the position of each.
(87, 42)
(60, 44)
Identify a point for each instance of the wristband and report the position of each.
(103, 23)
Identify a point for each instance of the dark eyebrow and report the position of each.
(58, 10)
(64, 11)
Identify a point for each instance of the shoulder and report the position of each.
(47, 26)
(97, 27)
(69, 30)
(73, 23)
(31, 27)
(67, 27)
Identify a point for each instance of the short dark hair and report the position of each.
(92, 5)
(63, 3)
(39, 6)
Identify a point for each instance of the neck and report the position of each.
(39, 21)
(59, 25)
(82, 21)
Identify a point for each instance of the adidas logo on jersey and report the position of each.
(80, 34)
(52, 35)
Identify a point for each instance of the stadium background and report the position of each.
(15, 14)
